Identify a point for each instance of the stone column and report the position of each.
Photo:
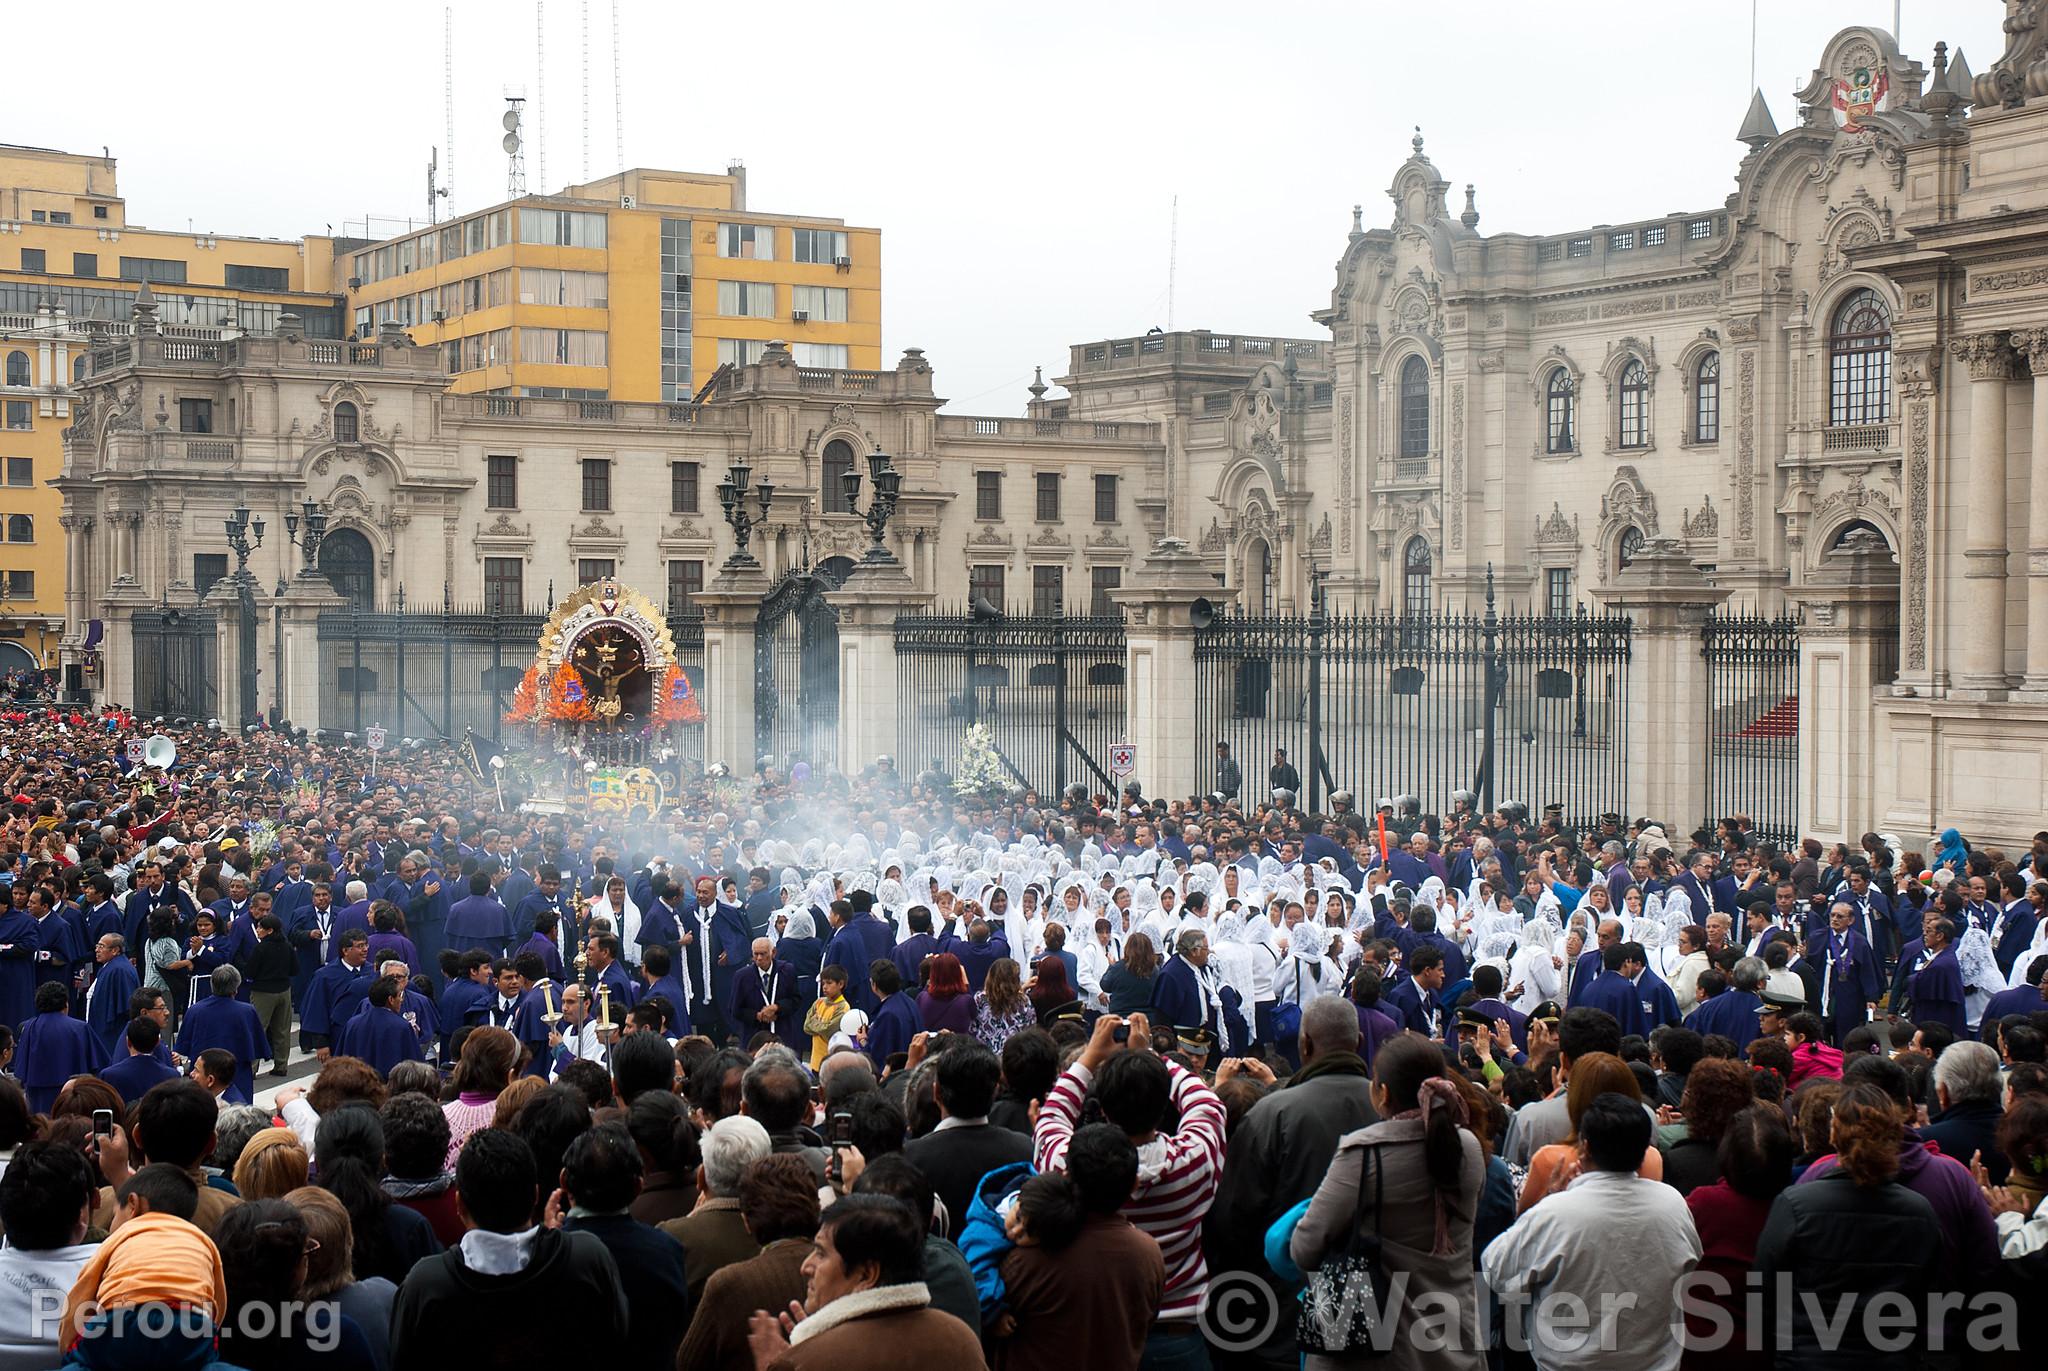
(1985, 549)
(867, 606)
(732, 606)
(299, 692)
(1159, 671)
(2033, 345)
(1669, 730)
(118, 525)
(226, 603)
(1847, 605)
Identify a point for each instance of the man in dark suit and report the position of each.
(601, 1175)
(965, 1146)
(910, 953)
(1697, 881)
(764, 996)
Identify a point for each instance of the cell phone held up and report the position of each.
(839, 1129)
(102, 1122)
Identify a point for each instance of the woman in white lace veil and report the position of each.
(1535, 968)
(1981, 977)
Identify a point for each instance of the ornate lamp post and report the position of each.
(888, 483)
(733, 493)
(240, 528)
(314, 520)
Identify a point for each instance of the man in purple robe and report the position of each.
(222, 1021)
(378, 1033)
(1851, 978)
(53, 1048)
(1929, 985)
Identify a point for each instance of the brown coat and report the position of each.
(1099, 1293)
(892, 1341)
(718, 1330)
(713, 1236)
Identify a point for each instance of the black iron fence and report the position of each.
(177, 661)
(1752, 666)
(1513, 707)
(432, 673)
(1050, 690)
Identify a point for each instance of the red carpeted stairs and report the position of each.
(1782, 721)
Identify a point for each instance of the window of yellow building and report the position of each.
(746, 299)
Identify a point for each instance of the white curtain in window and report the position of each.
(819, 355)
(826, 304)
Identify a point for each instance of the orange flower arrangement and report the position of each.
(524, 701)
(568, 700)
(676, 702)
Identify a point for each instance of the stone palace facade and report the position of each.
(1817, 395)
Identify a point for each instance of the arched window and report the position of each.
(349, 566)
(1860, 361)
(1631, 544)
(1561, 426)
(1415, 408)
(1635, 404)
(21, 528)
(17, 369)
(1706, 399)
(345, 426)
(838, 461)
(78, 369)
(1415, 578)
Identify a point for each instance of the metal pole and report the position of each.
(355, 633)
(248, 649)
(447, 664)
(497, 658)
(1491, 624)
(277, 663)
(1061, 727)
(1314, 759)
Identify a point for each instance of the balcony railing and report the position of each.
(1857, 438)
(1069, 430)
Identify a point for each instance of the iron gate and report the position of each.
(1752, 666)
(1513, 707)
(796, 668)
(1050, 691)
(176, 663)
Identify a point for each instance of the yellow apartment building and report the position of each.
(634, 287)
(70, 266)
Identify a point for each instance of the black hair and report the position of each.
(45, 1188)
(415, 1136)
(1881, 1071)
(143, 1035)
(165, 1188)
(968, 1077)
(549, 1122)
(262, 1254)
(642, 1062)
(1051, 1204)
(895, 1175)
(1681, 1048)
(661, 1127)
(588, 1079)
(219, 1064)
(1585, 1029)
(52, 996)
(706, 1087)
(1133, 1089)
(877, 1230)
(174, 1123)
(878, 1124)
(601, 1170)
(495, 1178)
(1031, 1063)
(350, 1145)
(1103, 1165)
(1755, 1152)
(656, 961)
(886, 978)
(1615, 1132)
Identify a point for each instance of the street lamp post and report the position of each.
(240, 528)
(314, 520)
(304, 528)
(887, 482)
(733, 493)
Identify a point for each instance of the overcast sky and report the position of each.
(1021, 161)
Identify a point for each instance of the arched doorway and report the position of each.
(1258, 577)
(349, 566)
(796, 668)
(15, 657)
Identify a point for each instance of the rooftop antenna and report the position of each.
(447, 106)
(586, 89)
(618, 96)
(434, 192)
(513, 143)
(540, 95)
(1752, 45)
(1172, 259)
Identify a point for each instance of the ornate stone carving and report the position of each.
(1993, 282)
(1915, 524)
(596, 528)
(2031, 345)
(1455, 494)
(1628, 501)
(1558, 531)
(1915, 370)
(1745, 447)
(1548, 317)
(1490, 362)
(1704, 525)
(1987, 355)
(1213, 537)
(504, 527)
(1346, 476)
(1743, 328)
(1320, 542)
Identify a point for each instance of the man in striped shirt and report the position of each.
(1177, 1172)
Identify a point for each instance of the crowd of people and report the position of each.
(1006, 1079)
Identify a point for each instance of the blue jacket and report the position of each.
(983, 1240)
(894, 1024)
